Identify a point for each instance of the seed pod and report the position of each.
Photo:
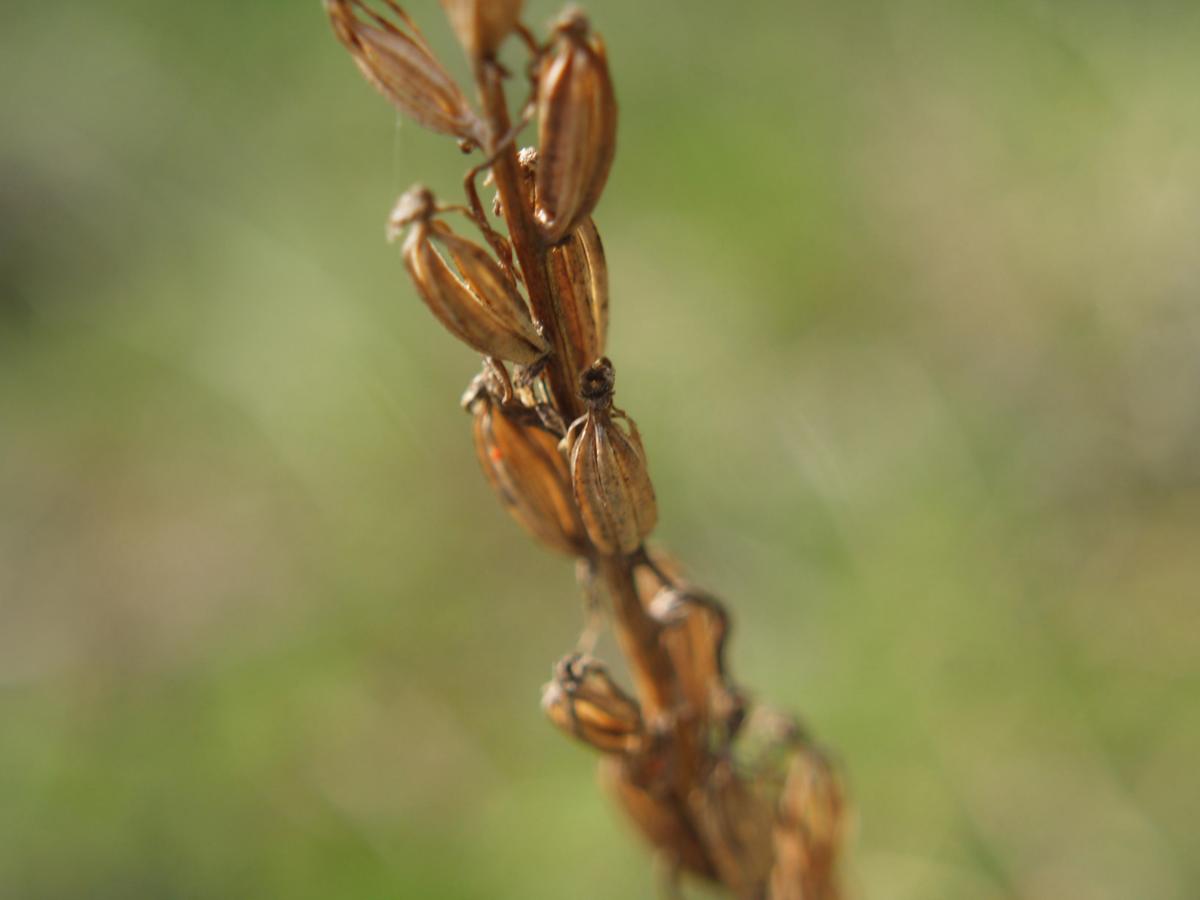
(400, 64)
(734, 820)
(585, 702)
(809, 826)
(579, 283)
(608, 468)
(577, 127)
(520, 460)
(695, 629)
(657, 818)
(481, 25)
(479, 304)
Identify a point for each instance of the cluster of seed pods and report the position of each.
(571, 468)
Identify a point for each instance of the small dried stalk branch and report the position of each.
(721, 791)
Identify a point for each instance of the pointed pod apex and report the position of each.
(572, 22)
(415, 204)
(597, 382)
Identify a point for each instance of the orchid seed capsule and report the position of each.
(809, 827)
(479, 304)
(578, 280)
(734, 819)
(400, 64)
(658, 818)
(577, 126)
(481, 25)
(520, 460)
(695, 628)
(579, 283)
(584, 701)
(608, 468)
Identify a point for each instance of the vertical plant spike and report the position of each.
(681, 754)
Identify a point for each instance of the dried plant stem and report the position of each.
(527, 243)
(637, 632)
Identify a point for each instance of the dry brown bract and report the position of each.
(679, 758)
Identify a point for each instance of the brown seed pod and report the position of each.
(658, 818)
(734, 820)
(520, 460)
(695, 629)
(579, 284)
(577, 127)
(478, 304)
(481, 25)
(585, 702)
(608, 468)
(393, 56)
(809, 827)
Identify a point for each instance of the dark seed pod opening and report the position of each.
(598, 381)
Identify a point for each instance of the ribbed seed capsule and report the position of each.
(481, 25)
(578, 279)
(579, 282)
(520, 460)
(399, 63)
(478, 304)
(585, 702)
(577, 127)
(656, 817)
(695, 628)
(809, 826)
(608, 468)
(734, 820)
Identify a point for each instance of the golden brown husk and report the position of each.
(586, 703)
(657, 817)
(577, 129)
(522, 463)
(579, 281)
(809, 830)
(611, 485)
(478, 304)
(402, 67)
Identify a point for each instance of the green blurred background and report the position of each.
(904, 302)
